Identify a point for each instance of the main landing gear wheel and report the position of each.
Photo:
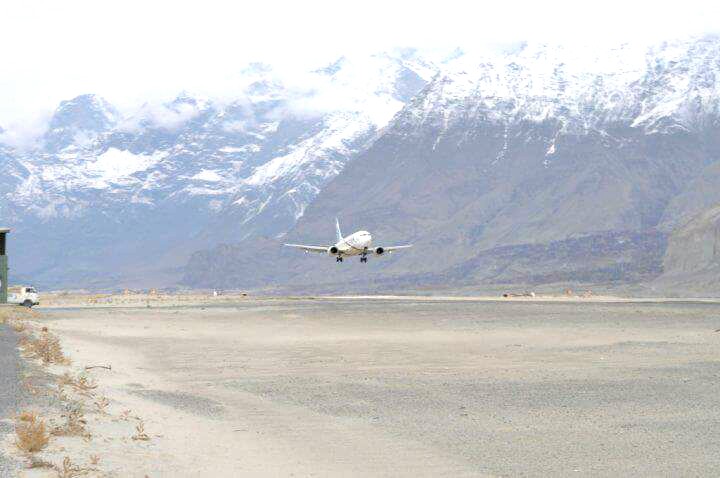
(363, 259)
(338, 259)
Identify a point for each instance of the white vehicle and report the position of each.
(26, 296)
(356, 244)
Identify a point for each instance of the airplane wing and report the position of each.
(388, 250)
(322, 249)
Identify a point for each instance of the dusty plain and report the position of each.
(396, 387)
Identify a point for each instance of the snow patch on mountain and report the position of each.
(116, 166)
(340, 129)
(584, 89)
(208, 175)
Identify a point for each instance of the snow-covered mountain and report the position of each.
(538, 164)
(583, 88)
(135, 194)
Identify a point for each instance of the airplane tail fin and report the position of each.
(338, 234)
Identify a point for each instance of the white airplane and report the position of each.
(356, 244)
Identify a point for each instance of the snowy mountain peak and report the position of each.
(79, 121)
(670, 85)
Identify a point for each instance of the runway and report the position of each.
(408, 388)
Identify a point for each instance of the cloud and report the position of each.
(157, 115)
(26, 132)
(144, 51)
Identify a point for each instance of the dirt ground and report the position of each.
(398, 387)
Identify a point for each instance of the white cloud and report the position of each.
(135, 51)
(158, 115)
(25, 132)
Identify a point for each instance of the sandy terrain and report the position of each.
(148, 300)
(398, 388)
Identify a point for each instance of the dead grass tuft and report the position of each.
(45, 347)
(70, 470)
(9, 314)
(31, 434)
(18, 326)
(102, 404)
(35, 462)
(74, 422)
(82, 384)
(140, 433)
(27, 416)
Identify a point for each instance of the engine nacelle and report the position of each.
(332, 250)
(379, 251)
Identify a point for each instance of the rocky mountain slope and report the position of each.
(108, 199)
(692, 259)
(543, 164)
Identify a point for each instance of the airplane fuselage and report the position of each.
(355, 244)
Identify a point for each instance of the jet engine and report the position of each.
(379, 251)
(332, 250)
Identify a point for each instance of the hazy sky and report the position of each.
(129, 51)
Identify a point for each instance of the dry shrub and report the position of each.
(31, 434)
(35, 462)
(125, 415)
(18, 326)
(82, 384)
(46, 347)
(10, 314)
(102, 404)
(140, 433)
(74, 422)
(65, 379)
(85, 383)
(61, 395)
(27, 416)
(70, 470)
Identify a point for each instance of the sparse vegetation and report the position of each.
(74, 422)
(27, 416)
(140, 432)
(31, 433)
(71, 470)
(82, 384)
(36, 462)
(102, 404)
(15, 314)
(45, 347)
(18, 326)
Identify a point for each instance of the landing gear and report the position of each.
(363, 258)
(338, 259)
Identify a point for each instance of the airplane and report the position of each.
(356, 244)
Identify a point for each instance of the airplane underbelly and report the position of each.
(349, 251)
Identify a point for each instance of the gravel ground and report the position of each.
(412, 388)
(10, 392)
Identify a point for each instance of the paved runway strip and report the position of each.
(405, 387)
(10, 392)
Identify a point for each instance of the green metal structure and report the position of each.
(3, 266)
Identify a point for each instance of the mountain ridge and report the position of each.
(497, 154)
(165, 178)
